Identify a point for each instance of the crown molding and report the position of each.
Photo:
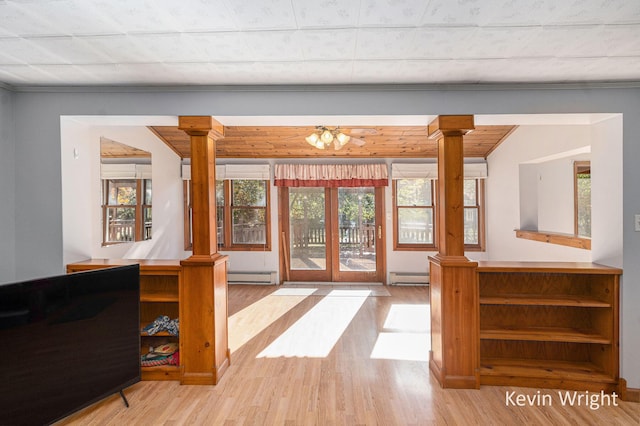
(329, 88)
(8, 87)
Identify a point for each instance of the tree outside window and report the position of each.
(248, 211)
(582, 185)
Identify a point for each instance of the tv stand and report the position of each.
(124, 398)
(160, 282)
(193, 290)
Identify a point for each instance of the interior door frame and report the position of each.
(332, 271)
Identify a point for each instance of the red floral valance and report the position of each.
(331, 175)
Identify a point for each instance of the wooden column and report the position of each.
(454, 358)
(204, 343)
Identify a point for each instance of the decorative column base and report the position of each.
(454, 358)
(204, 343)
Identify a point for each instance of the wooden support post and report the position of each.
(454, 358)
(204, 343)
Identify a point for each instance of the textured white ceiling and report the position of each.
(223, 42)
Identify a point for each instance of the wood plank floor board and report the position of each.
(346, 387)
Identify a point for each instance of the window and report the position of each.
(242, 214)
(473, 217)
(582, 198)
(415, 214)
(248, 212)
(126, 210)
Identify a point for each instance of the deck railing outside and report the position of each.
(303, 237)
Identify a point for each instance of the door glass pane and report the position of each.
(357, 229)
(307, 235)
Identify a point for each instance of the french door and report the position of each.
(332, 234)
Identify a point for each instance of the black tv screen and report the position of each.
(68, 341)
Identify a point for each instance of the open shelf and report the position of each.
(158, 334)
(159, 296)
(544, 334)
(544, 369)
(544, 300)
(552, 325)
(161, 372)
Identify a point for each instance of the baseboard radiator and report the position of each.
(266, 278)
(408, 278)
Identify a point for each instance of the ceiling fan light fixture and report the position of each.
(312, 139)
(343, 139)
(326, 136)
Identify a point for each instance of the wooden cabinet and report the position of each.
(160, 282)
(549, 325)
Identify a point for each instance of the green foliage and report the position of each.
(122, 192)
(249, 193)
(584, 204)
(356, 201)
(413, 192)
(307, 203)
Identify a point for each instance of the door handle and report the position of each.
(379, 232)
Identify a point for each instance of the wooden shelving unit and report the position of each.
(549, 325)
(160, 282)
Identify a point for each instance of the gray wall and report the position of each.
(7, 188)
(36, 118)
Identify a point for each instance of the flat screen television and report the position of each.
(67, 342)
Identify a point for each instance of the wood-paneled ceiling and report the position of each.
(116, 150)
(289, 142)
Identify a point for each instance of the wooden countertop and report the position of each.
(145, 264)
(559, 267)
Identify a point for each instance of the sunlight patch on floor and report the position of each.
(315, 334)
(247, 323)
(413, 318)
(405, 334)
(294, 291)
(402, 346)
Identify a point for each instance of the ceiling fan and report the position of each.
(324, 137)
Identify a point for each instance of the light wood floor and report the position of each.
(351, 385)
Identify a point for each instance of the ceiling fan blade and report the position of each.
(356, 141)
(363, 131)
